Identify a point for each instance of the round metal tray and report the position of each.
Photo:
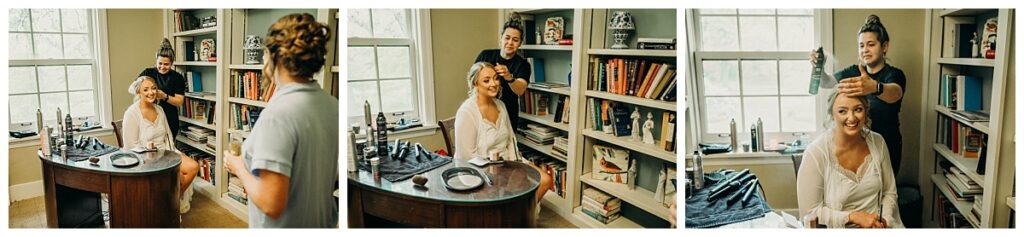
(462, 178)
(124, 160)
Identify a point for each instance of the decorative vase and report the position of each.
(620, 24)
(253, 48)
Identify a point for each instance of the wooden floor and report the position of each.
(205, 213)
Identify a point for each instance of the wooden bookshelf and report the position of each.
(197, 123)
(545, 149)
(980, 126)
(589, 222)
(546, 47)
(978, 62)
(247, 102)
(998, 181)
(963, 206)
(557, 90)
(196, 32)
(546, 120)
(634, 52)
(645, 102)
(638, 197)
(201, 146)
(196, 63)
(246, 66)
(653, 150)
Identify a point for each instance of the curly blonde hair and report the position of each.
(298, 43)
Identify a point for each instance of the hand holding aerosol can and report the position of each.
(819, 69)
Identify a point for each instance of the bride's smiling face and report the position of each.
(850, 114)
(147, 91)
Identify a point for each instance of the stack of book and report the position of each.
(540, 134)
(198, 134)
(235, 190)
(656, 43)
(211, 142)
(962, 186)
(599, 205)
(561, 146)
(193, 81)
(633, 77)
(976, 207)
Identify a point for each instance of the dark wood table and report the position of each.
(144, 195)
(509, 202)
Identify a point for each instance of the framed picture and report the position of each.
(553, 29)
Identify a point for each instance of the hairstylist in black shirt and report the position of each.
(881, 83)
(170, 83)
(512, 68)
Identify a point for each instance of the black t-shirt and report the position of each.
(172, 83)
(885, 117)
(519, 67)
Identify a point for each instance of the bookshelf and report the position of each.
(571, 64)
(996, 91)
(230, 31)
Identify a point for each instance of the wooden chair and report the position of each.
(448, 131)
(117, 132)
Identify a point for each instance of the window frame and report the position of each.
(421, 68)
(822, 20)
(97, 34)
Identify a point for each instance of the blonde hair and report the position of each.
(474, 75)
(298, 43)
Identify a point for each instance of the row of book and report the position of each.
(235, 190)
(540, 134)
(193, 81)
(615, 118)
(949, 217)
(555, 169)
(599, 205)
(184, 21)
(959, 138)
(243, 117)
(249, 84)
(633, 77)
(960, 92)
(207, 162)
(538, 103)
(202, 110)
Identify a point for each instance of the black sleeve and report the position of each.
(900, 79)
(178, 85)
(524, 71)
(144, 72)
(481, 57)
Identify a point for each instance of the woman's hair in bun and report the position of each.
(298, 43)
(514, 21)
(873, 24)
(165, 50)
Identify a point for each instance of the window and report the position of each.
(53, 64)
(751, 64)
(386, 64)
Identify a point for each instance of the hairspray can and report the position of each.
(819, 67)
(382, 135)
(760, 135)
(753, 138)
(732, 135)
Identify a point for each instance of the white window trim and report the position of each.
(423, 81)
(102, 89)
(823, 37)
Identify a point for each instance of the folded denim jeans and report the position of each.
(702, 212)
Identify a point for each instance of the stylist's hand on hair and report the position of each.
(502, 71)
(866, 220)
(859, 85)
